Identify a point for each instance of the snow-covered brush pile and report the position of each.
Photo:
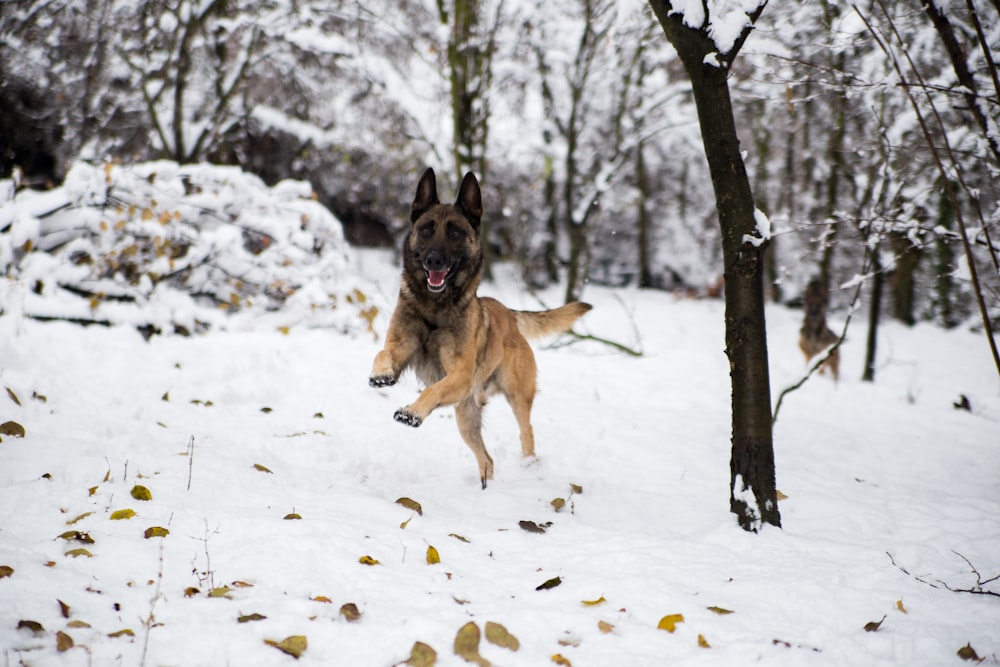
(177, 248)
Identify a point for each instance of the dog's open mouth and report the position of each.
(436, 279)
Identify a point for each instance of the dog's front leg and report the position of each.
(394, 357)
(452, 388)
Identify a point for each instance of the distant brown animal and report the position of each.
(815, 336)
(463, 347)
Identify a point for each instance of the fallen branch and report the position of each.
(978, 589)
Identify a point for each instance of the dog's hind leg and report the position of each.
(469, 414)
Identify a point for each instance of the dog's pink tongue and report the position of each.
(436, 278)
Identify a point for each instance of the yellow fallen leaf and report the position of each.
(124, 632)
(78, 624)
(368, 560)
(219, 592)
(322, 598)
(899, 606)
(467, 644)
(156, 531)
(257, 466)
(79, 552)
(140, 492)
(558, 504)
(560, 660)
(421, 655)
(249, 618)
(406, 523)
(294, 646)
(702, 642)
(77, 536)
(605, 627)
(593, 603)
(79, 518)
(122, 514)
(670, 621)
(779, 495)
(292, 516)
(433, 557)
(497, 634)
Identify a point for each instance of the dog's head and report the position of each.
(443, 242)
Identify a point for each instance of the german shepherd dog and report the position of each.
(815, 336)
(463, 348)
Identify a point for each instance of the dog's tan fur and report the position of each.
(463, 347)
(815, 336)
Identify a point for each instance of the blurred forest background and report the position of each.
(870, 130)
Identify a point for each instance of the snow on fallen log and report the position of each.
(168, 247)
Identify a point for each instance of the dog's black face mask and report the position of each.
(444, 238)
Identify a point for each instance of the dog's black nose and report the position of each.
(434, 261)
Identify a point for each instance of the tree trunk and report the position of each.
(642, 182)
(874, 314)
(753, 497)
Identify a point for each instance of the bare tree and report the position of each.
(753, 496)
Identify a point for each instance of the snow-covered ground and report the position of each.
(892, 496)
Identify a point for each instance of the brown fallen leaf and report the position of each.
(77, 624)
(548, 584)
(63, 642)
(261, 468)
(6, 571)
(247, 618)
(533, 527)
(13, 429)
(350, 611)
(605, 627)
(968, 653)
(873, 626)
(720, 611)
(34, 626)
(410, 504)
(77, 536)
(12, 395)
(899, 606)
(63, 608)
(560, 660)
(156, 531)
(124, 632)
(702, 642)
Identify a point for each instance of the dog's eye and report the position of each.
(454, 233)
(426, 231)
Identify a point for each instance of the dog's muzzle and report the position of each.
(437, 270)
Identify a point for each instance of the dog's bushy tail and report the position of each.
(538, 324)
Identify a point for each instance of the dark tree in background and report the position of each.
(752, 465)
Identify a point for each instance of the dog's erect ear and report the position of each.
(426, 196)
(470, 199)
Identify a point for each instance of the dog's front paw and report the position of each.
(404, 416)
(381, 381)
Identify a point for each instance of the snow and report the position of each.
(874, 474)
